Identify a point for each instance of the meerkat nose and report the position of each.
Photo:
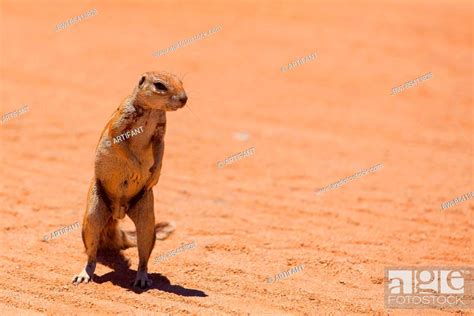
(183, 98)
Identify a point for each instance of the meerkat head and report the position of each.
(160, 91)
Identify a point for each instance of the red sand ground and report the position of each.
(311, 126)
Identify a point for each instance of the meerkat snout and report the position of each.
(160, 90)
(181, 97)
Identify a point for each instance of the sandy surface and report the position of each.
(311, 126)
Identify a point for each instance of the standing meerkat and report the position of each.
(126, 169)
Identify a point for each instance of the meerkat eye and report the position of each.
(160, 87)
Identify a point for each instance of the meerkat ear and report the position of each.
(142, 80)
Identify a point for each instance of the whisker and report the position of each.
(193, 112)
(182, 79)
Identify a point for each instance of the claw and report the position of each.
(142, 281)
(85, 275)
(81, 278)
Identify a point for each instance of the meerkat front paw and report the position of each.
(152, 181)
(142, 280)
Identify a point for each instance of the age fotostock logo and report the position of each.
(428, 287)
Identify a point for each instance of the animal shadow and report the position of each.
(123, 276)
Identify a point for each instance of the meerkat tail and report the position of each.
(164, 229)
(113, 238)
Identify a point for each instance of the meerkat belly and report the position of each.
(124, 176)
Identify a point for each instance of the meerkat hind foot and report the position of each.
(82, 277)
(142, 280)
(85, 276)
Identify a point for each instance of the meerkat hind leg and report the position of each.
(96, 217)
(143, 216)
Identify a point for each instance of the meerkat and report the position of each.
(126, 171)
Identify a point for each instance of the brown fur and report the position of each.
(127, 170)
